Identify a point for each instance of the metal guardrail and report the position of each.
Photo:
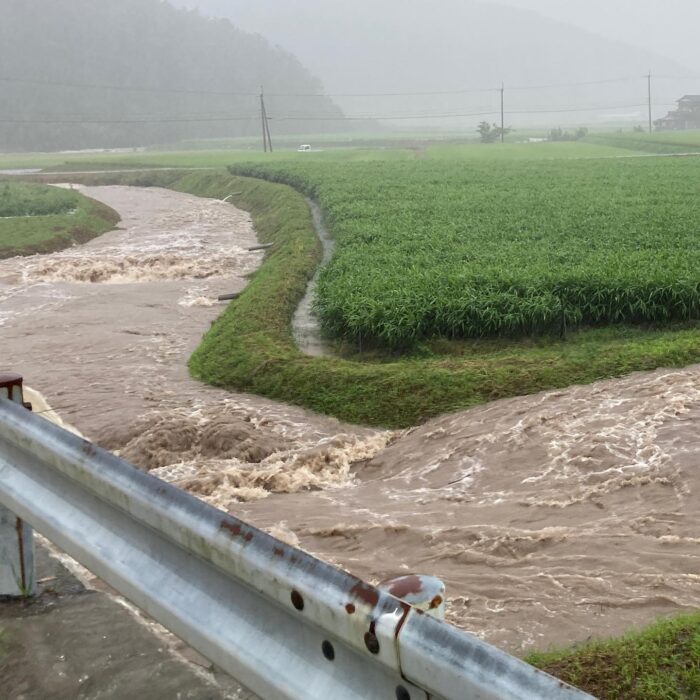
(285, 624)
(16, 537)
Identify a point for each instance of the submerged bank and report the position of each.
(32, 220)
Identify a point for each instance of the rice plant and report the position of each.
(443, 248)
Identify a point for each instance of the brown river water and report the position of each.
(551, 518)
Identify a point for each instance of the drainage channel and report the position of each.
(305, 324)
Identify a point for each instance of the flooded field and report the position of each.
(551, 518)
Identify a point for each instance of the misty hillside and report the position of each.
(374, 46)
(80, 74)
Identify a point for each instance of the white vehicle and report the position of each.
(304, 148)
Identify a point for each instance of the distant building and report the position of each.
(687, 116)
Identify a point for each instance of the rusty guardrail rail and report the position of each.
(285, 624)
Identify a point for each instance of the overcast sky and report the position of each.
(577, 49)
(669, 27)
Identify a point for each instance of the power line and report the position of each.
(71, 117)
(478, 109)
(384, 94)
(676, 77)
(455, 115)
(127, 121)
(581, 84)
(233, 93)
(456, 92)
(333, 117)
(124, 88)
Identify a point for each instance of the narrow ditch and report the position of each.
(305, 325)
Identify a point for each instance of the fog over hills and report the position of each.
(81, 74)
(667, 27)
(84, 74)
(458, 45)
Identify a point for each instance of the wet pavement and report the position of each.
(74, 642)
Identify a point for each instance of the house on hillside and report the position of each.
(686, 116)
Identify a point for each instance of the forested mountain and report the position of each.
(101, 73)
(409, 46)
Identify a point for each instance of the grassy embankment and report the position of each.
(251, 348)
(661, 662)
(39, 219)
(658, 143)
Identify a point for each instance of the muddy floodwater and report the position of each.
(552, 518)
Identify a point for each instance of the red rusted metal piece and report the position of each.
(404, 586)
(11, 388)
(425, 593)
(366, 593)
(9, 384)
(234, 528)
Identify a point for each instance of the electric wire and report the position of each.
(317, 95)
(317, 117)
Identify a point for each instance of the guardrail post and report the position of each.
(17, 575)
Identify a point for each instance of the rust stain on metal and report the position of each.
(405, 586)
(235, 530)
(350, 609)
(10, 379)
(436, 602)
(365, 592)
(404, 616)
(8, 382)
(232, 528)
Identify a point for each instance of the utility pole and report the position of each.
(503, 121)
(649, 95)
(264, 119)
(267, 128)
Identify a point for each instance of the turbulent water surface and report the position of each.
(551, 518)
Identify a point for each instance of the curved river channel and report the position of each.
(552, 518)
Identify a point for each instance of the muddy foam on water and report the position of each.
(117, 268)
(551, 518)
(227, 452)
